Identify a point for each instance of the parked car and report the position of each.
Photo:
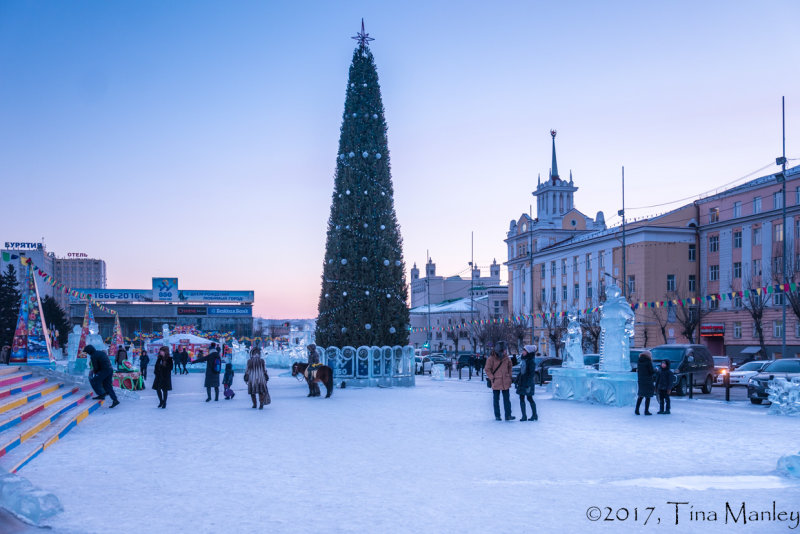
(423, 364)
(464, 361)
(592, 360)
(440, 358)
(745, 372)
(722, 366)
(541, 372)
(687, 360)
(758, 384)
(634, 357)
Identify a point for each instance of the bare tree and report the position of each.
(516, 334)
(554, 326)
(755, 302)
(661, 319)
(452, 335)
(793, 297)
(590, 325)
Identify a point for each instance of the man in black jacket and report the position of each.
(102, 375)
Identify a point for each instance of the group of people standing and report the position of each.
(651, 381)
(499, 375)
(181, 358)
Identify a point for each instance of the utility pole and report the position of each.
(428, 292)
(472, 277)
(624, 261)
(530, 256)
(782, 161)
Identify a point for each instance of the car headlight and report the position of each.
(751, 382)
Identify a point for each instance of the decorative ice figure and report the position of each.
(437, 372)
(789, 465)
(94, 338)
(784, 396)
(73, 340)
(573, 340)
(617, 328)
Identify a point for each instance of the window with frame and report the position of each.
(757, 205)
(564, 293)
(777, 200)
(797, 228)
(692, 282)
(737, 330)
(737, 209)
(576, 292)
(777, 232)
(670, 282)
(563, 266)
(777, 265)
(544, 271)
(713, 243)
(553, 294)
(777, 298)
(601, 264)
(671, 315)
(737, 239)
(757, 236)
(713, 215)
(589, 289)
(692, 252)
(713, 304)
(713, 273)
(777, 328)
(797, 329)
(737, 269)
(737, 301)
(757, 267)
(552, 268)
(544, 295)
(588, 261)
(575, 264)
(631, 284)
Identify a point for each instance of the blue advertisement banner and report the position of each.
(193, 295)
(230, 310)
(165, 289)
(118, 295)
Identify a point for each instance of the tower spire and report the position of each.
(554, 167)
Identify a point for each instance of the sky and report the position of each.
(198, 139)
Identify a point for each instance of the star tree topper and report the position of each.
(362, 37)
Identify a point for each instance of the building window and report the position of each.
(778, 232)
(564, 293)
(756, 267)
(692, 252)
(777, 265)
(737, 239)
(757, 205)
(756, 236)
(631, 284)
(737, 269)
(737, 209)
(544, 295)
(777, 328)
(670, 282)
(737, 330)
(577, 292)
(713, 304)
(544, 271)
(797, 329)
(563, 266)
(797, 198)
(552, 294)
(552, 268)
(589, 290)
(575, 264)
(797, 228)
(777, 298)
(692, 283)
(713, 215)
(713, 243)
(777, 200)
(601, 264)
(713, 273)
(589, 261)
(737, 301)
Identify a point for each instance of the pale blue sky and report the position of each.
(198, 139)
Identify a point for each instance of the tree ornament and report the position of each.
(365, 154)
(383, 194)
(344, 293)
(366, 225)
(386, 262)
(347, 227)
(355, 114)
(344, 330)
(397, 262)
(374, 115)
(365, 192)
(368, 326)
(347, 192)
(364, 85)
(363, 259)
(383, 227)
(392, 330)
(388, 295)
(366, 292)
(352, 154)
(378, 155)
(326, 295)
(344, 261)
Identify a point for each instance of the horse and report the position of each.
(322, 374)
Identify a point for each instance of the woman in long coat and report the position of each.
(212, 372)
(498, 371)
(526, 384)
(162, 371)
(647, 387)
(256, 377)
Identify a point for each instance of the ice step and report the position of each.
(24, 397)
(13, 378)
(22, 455)
(8, 369)
(20, 433)
(22, 386)
(17, 415)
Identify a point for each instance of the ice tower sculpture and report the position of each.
(573, 341)
(617, 329)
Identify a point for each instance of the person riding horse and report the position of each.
(313, 363)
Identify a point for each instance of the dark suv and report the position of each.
(757, 385)
(687, 360)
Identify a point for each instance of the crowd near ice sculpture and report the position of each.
(784, 396)
(614, 383)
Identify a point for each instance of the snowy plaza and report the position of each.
(425, 459)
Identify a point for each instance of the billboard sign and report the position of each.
(165, 289)
(14, 245)
(188, 295)
(116, 295)
(230, 310)
(192, 310)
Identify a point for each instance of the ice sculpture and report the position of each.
(617, 329)
(573, 349)
(784, 396)
(73, 340)
(789, 465)
(19, 496)
(437, 372)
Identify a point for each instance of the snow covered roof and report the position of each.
(462, 305)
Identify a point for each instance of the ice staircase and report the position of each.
(35, 412)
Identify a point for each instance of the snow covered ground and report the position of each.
(424, 459)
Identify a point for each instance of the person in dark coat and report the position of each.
(664, 380)
(120, 358)
(144, 359)
(213, 367)
(162, 370)
(227, 382)
(184, 361)
(645, 374)
(526, 385)
(102, 375)
(176, 359)
(498, 372)
(256, 377)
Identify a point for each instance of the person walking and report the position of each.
(144, 360)
(526, 385)
(162, 370)
(213, 368)
(313, 362)
(498, 372)
(256, 377)
(102, 375)
(184, 361)
(227, 382)
(664, 380)
(176, 360)
(645, 372)
(5, 354)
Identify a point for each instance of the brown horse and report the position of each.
(324, 375)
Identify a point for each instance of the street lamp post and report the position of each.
(782, 178)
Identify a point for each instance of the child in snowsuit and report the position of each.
(227, 381)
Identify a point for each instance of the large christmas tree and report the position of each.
(364, 295)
